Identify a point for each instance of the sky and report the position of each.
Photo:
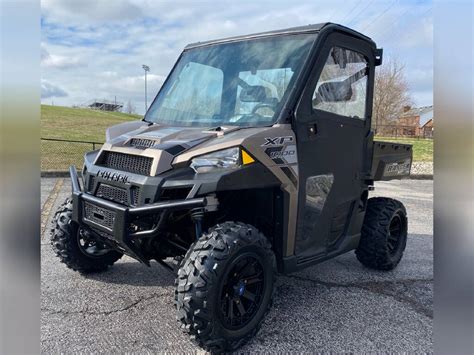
(94, 49)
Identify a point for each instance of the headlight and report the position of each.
(222, 159)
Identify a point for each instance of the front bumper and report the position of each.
(113, 219)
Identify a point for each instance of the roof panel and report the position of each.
(326, 26)
(300, 29)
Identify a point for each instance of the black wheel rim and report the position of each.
(242, 291)
(394, 234)
(90, 247)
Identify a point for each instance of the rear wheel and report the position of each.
(384, 234)
(75, 247)
(225, 286)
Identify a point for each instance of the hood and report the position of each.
(161, 143)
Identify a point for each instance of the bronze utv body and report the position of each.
(296, 188)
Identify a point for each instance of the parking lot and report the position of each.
(336, 306)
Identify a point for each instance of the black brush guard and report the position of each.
(119, 231)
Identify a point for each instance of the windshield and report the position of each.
(242, 83)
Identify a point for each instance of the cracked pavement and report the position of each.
(336, 306)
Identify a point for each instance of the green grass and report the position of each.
(79, 123)
(73, 124)
(422, 148)
(90, 125)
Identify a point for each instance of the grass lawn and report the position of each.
(422, 148)
(73, 124)
(90, 125)
(79, 123)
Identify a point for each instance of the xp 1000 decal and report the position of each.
(282, 154)
(272, 141)
(282, 150)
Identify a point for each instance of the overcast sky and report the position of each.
(95, 48)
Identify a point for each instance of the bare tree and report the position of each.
(130, 108)
(391, 93)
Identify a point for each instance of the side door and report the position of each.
(332, 126)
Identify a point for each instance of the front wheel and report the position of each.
(225, 286)
(384, 234)
(75, 247)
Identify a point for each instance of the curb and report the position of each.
(421, 177)
(57, 174)
(48, 205)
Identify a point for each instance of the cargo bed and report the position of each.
(391, 160)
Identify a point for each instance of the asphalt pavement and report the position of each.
(336, 306)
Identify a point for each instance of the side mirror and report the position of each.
(335, 91)
(253, 93)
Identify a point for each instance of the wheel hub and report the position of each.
(239, 289)
(90, 247)
(394, 233)
(242, 291)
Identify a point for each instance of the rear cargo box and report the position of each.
(391, 160)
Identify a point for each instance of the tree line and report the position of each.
(391, 93)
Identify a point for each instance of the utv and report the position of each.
(256, 157)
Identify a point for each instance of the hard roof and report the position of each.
(292, 30)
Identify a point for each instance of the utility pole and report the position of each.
(146, 68)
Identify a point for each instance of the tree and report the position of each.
(391, 93)
(130, 108)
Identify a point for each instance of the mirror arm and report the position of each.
(242, 83)
(356, 76)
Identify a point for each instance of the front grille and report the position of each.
(91, 183)
(112, 193)
(99, 215)
(135, 194)
(142, 143)
(136, 164)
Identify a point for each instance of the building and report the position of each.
(104, 105)
(427, 129)
(417, 122)
(413, 122)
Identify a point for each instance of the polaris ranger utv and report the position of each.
(256, 157)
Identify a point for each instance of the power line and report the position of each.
(389, 36)
(394, 23)
(360, 12)
(333, 13)
(410, 8)
(380, 15)
(350, 11)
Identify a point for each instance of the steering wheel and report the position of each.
(271, 106)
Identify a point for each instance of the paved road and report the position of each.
(336, 306)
